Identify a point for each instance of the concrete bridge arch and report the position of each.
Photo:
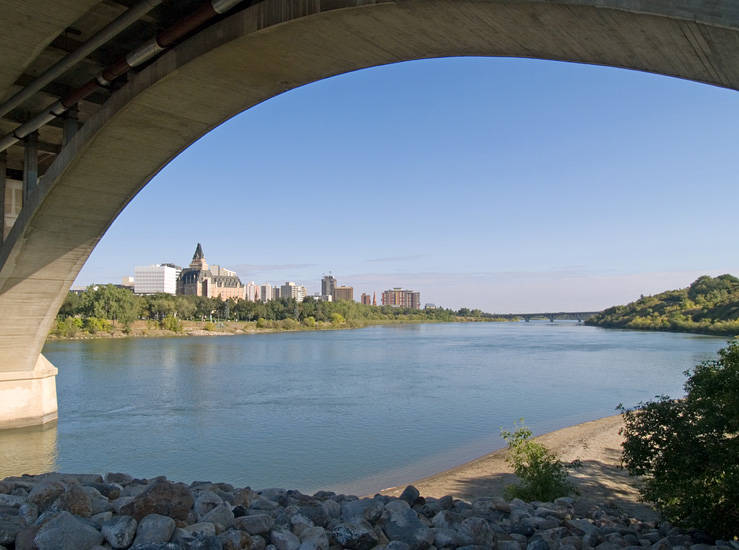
(260, 51)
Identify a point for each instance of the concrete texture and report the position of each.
(277, 45)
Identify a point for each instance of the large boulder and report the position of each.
(45, 493)
(74, 500)
(161, 497)
(205, 502)
(120, 531)
(401, 523)
(9, 527)
(154, 528)
(221, 516)
(66, 532)
(356, 534)
(255, 524)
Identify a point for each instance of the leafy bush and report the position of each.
(543, 476)
(289, 324)
(309, 322)
(263, 323)
(170, 322)
(337, 319)
(688, 449)
(68, 328)
(209, 326)
(93, 325)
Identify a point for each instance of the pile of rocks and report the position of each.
(82, 512)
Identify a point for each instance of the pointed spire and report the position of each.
(198, 253)
(198, 259)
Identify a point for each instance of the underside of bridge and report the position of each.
(62, 183)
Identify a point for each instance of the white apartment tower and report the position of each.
(153, 279)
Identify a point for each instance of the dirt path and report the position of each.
(600, 481)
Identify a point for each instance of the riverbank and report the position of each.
(599, 479)
(151, 329)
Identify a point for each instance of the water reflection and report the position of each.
(28, 450)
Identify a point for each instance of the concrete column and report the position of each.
(71, 124)
(30, 165)
(3, 178)
(28, 398)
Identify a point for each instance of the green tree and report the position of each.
(687, 449)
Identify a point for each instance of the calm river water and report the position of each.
(354, 411)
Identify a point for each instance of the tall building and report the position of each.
(398, 297)
(265, 293)
(199, 280)
(366, 299)
(252, 291)
(374, 298)
(291, 290)
(328, 284)
(153, 279)
(343, 293)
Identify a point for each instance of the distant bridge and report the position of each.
(552, 316)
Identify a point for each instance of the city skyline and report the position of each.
(551, 186)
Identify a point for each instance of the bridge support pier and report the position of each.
(28, 398)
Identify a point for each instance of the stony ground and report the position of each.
(83, 512)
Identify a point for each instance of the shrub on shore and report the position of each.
(543, 476)
(688, 449)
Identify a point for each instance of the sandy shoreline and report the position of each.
(600, 480)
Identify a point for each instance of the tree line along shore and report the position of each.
(110, 311)
(710, 305)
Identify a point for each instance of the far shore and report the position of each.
(145, 329)
(600, 480)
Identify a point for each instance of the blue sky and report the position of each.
(508, 184)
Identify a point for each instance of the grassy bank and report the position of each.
(153, 329)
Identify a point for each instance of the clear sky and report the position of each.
(506, 184)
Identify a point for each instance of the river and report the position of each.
(354, 411)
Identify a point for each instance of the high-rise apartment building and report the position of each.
(291, 290)
(328, 284)
(366, 299)
(398, 297)
(265, 293)
(343, 293)
(252, 291)
(153, 279)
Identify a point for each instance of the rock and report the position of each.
(74, 500)
(24, 539)
(102, 517)
(157, 546)
(410, 494)
(98, 502)
(397, 545)
(65, 532)
(403, 524)
(314, 538)
(258, 543)
(374, 510)
(28, 512)
(354, 509)
(256, 524)
(45, 493)
(205, 502)
(284, 540)
(199, 529)
(316, 512)
(233, 539)
(299, 523)
(109, 490)
(154, 528)
(221, 516)
(537, 544)
(120, 502)
(357, 535)
(14, 501)
(332, 509)
(119, 532)
(161, 497)
(581, 526)
(477, 531)
(120, 479)
(445, 537)
(446, 520)
(507, 545)
(9, 527)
